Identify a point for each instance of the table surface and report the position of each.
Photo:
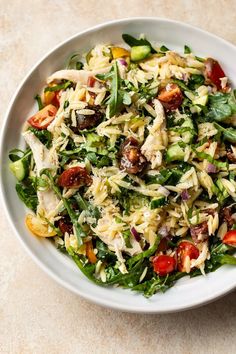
(36, 314)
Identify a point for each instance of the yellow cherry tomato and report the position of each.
(36, 226)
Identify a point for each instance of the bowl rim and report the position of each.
(90, 297)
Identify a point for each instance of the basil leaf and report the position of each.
(115, 100)
(164, 49)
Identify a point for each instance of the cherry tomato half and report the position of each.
(43, 118)
(230, 238)
(163, 264)
(74, 177)
(186, 249)
(171, 97)
(214, 72)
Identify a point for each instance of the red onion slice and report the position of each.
(211, 168)
(123, 62)
(185, 195)
(163, 231)
(135, 233)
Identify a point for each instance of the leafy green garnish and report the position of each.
(28, 195)
(58, 87)
(74, 63)
(67, 204)
(43, 135)
(164, 49)
(145, 254)
(229, 134)
(187, 50)
(221, 106)
(116, 98)
(39, 102)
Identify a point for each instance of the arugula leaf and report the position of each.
(229, 134)
(159, 178)
(164, 49)
(28, 195)
(115, 99)
(43, 135)
(74, 63)
(133, 42)
(157, 284)
(39, 101)
(104, 253)
(17, 154)
(195, 81)
(126, 235)
(187, 50)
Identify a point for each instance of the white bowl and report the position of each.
(187, 293)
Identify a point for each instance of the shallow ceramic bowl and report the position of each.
(187, 293)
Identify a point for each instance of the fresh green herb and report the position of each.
(115, 99)
(145, 254)
(126, 235)
(74, 63)
(229, 134)
(58, 87)
(187, 50)
(43, 135)
(158, 202)
(66, 104)
(221, 106)
(28, 195)
(164, 49)
(39, 102)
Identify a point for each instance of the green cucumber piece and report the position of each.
(175, 153)
(19, 169)
(140, 52)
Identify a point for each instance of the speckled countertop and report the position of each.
(36, 314)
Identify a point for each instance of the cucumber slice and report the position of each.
(188, 136)
(175, 153)
(19, 169)
(140, 52)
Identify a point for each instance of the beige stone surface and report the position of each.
(37, 315)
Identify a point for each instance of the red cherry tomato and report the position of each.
(171, 97)
(186, 249)
(52, 97)
(230, 238)
(214, 72)
(74, 177)
(163, 264)
(43, 118)
(56, 99)
(91, 81)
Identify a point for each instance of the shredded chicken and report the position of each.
(44, 158)
(76, 75)
(157, 139)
